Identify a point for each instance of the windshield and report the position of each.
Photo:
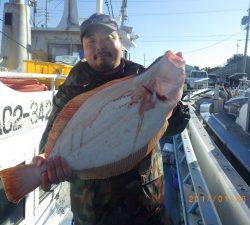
(199, 74)
(67, 59)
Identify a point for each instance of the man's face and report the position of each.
(102, 48)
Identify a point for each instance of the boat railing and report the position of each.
(53, 77)
(196, 200)
(211, 190)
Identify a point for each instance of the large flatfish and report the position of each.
(107, 131)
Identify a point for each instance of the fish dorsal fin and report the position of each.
(69, 110)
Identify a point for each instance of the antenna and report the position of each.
(144, 60)
(46, 13)
(246, 43)
(33, 3)
(237, 46)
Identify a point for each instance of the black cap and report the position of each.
(98, 19)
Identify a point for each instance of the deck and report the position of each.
(231, 135)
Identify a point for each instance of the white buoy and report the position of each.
(17, 35)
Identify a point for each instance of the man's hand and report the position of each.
(57, 171)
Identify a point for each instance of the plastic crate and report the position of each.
(47, 68)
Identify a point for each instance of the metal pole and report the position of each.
(99, 6)
(19, 30)
(246, 43)
(34, 17)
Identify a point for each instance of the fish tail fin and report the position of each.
(19, 181)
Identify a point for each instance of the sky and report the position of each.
(208, 32)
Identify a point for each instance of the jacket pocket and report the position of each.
(152, 181)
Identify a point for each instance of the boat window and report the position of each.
(58, 49)
(10, 214)
(198, 74)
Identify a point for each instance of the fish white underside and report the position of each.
(117, 130)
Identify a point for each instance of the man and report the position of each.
(135, 197)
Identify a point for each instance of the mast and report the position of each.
(70, 15)
(16, 37)
(99, 4)
(246, 43)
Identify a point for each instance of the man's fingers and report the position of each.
(179, 54)
(58, 170)
(51, 170)
(38, 160)
(45, 183)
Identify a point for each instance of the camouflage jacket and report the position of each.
(132, 198)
